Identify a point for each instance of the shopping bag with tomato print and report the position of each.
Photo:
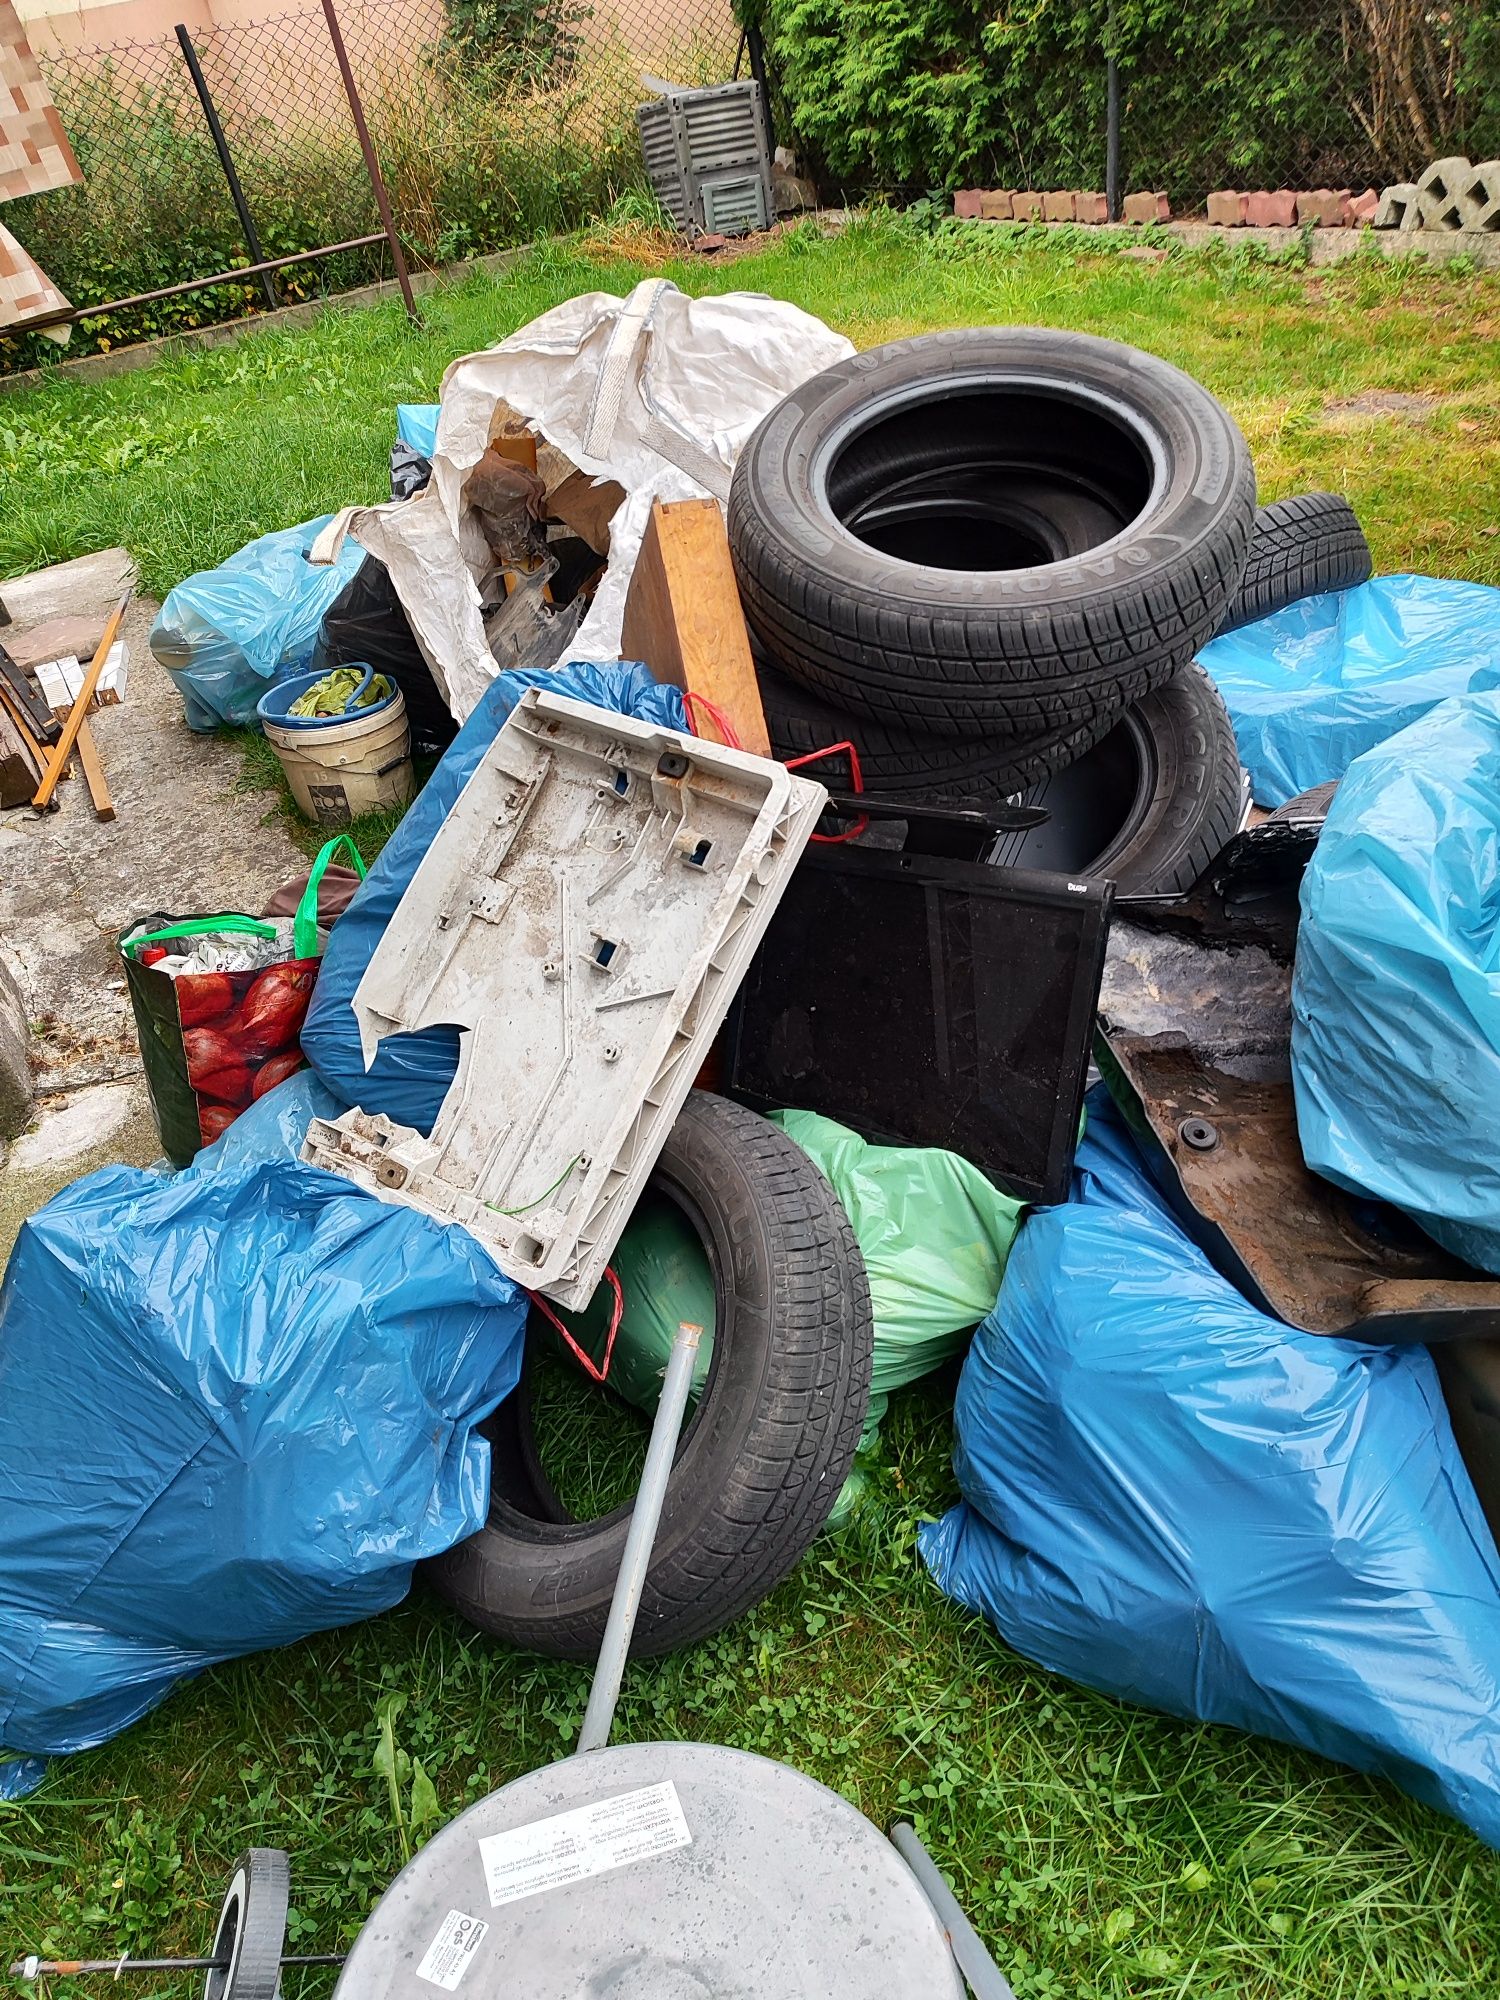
(219, 1004)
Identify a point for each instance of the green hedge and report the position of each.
(934, 94)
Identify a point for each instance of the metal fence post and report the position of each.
(372, 165)
(1112, 202)
(226, 160)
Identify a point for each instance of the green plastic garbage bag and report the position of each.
(933, 1231)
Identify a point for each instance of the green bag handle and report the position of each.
(305, 923)
(201, 926)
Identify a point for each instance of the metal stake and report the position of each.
(1112, 203)
(226, 160)
(984, 1978)
(645, 1519)
(372, 165)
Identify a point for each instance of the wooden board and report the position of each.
(19, 768)
(683, 618)
(93, 771)
(78, 714)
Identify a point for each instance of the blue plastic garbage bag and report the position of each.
(227, 634)
(236, 1406)
(1396, 991)
(1177, 1500)
(416, 425)
(1312, 687)
(410, 1075)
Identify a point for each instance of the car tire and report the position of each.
(1010, 532)
(1151, 805)
(1299, 548)
(767, 1449)
(905, 763)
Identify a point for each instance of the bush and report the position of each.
(1217, 93)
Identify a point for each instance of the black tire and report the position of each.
(1094, 504)
(251, 1932)
(904, 763)
(767, 1450)
(1298, 548)
(1151, 805)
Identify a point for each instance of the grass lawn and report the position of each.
(1108, 1854)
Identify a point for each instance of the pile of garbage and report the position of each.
(837, 756)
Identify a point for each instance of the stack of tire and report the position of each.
(988, 558)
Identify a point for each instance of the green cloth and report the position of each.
(332, 695)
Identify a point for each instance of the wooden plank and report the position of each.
(19, 766)
(93, 771)
(683, 618)
(17, 715)
(78, 713)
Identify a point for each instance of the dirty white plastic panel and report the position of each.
(585, 914)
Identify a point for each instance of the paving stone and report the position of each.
(17, 1091)
(1396, 203)
(997, 205)
(968, 204)
(1483, 194)
(1147, 208)
(1324, 208)
(1090, 207)
(1363, 208)
(1267, 210)
(1226, 209)
(1026, 207)
(1443, 199)
(1058, 205)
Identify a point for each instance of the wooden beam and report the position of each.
(19, 765)
(78, 713)
(683, 618)
(93, 771)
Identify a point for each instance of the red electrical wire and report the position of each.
(596, 1372)
(856, 785)
(690, 701)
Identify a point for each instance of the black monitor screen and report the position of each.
(930, 1002)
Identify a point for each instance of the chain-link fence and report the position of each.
(494, 121)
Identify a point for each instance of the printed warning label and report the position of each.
(590, 1840)
(451, 1952)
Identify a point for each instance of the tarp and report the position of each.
(1396, 990)
(416, 425)
(236, 1407)
(1312, 687)
(1173, 1498)
(656, 391)
(411, 1073)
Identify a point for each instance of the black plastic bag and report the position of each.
(366, 623)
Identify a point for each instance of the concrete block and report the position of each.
(968, 204)
(17, 1091)
(1443, 197)
(1057, 206)
(1226, 209)
(1483, 194)
(1363, 208)
(1324, 208)
(1396, 203)
(1142, 209)
(997, 205)
(1090, 207)
(1026, 207)
(1265, 210)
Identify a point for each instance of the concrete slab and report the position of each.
(188, 837)
(104, 1127)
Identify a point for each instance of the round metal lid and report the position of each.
(655, 1871)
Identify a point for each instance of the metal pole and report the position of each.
(226, 159)
(372, 165)
(1112, 129)
(983, 1977)
(644, 1522)
(756, 49)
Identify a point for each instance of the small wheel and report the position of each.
(252, 1928)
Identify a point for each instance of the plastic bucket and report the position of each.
(342, 765)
